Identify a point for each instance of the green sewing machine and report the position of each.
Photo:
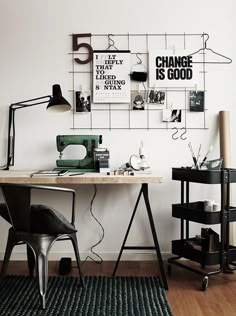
(87, 164)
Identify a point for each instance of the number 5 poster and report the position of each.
(111, 80)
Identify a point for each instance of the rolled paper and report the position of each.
(224, 126)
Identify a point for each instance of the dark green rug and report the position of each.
(101, 296)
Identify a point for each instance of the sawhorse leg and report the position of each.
(144, 191)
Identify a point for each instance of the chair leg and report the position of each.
(42, 265)
(11, 241)
(76, 250)
(30, 260)
(41, 248)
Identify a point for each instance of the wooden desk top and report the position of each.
(7, 176)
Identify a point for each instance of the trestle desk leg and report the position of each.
(127, 232)
(154, 235)
(144, 191)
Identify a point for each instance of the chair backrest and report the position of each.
(18, 200)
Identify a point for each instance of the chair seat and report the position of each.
(43, 220)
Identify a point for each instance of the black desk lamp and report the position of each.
(55, 102)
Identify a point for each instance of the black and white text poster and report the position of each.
(168, 68)
(111, 79)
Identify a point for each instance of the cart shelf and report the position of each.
(189, 249)
(195, 212)
(204, 176)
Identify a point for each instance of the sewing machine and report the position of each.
(87, 164)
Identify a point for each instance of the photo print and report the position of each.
(138, 100)
(156, 97)
(83, 101)
(196, 101)
(169, 115)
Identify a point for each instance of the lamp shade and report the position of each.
(57, 102)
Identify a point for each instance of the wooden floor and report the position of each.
(184, 295)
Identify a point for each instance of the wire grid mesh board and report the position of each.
(137, 81)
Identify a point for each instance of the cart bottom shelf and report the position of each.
(189, 250)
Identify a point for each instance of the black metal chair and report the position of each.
(38, 226)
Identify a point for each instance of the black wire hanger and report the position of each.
(226, 60)
(111, 42)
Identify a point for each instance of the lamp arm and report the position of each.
(11, 125)
(24, 104)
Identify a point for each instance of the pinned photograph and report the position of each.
(138, 100)
(196, 101)
(176, 115)
(156, 97)
(169, 115)
(83, 101)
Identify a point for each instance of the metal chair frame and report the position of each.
(18, 202)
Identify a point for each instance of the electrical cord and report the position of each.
(102, 228)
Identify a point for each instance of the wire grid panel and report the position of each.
(152, 112)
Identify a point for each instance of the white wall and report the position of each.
(34, 55)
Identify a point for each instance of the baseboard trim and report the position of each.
(105, 256)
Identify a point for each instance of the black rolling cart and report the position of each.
(188, 211)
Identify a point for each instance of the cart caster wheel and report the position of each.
(169, 270)
(204, 283)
